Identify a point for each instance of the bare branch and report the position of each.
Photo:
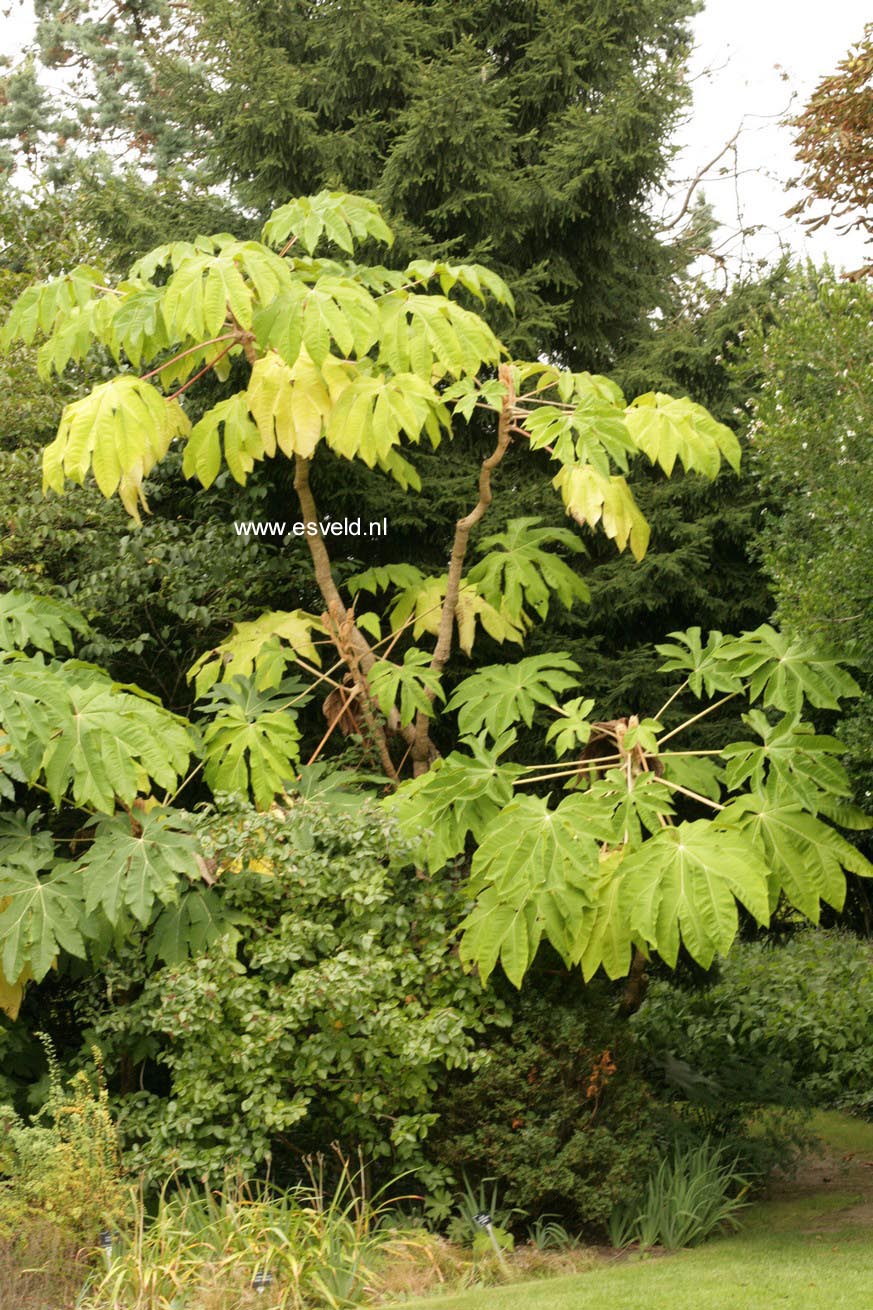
(698, 178)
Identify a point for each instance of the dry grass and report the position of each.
(40, 1269)
(422, 1265)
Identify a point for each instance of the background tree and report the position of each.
(530, 135)
(834, 144)
(812, 453)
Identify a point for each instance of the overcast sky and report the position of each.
(764, 56)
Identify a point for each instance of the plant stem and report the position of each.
(562, 764)
(192, 350)
(200, 372)
(422, 751)
(686, 791)
(702, 715)
(668, 703)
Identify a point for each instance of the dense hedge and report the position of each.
(788, 1020)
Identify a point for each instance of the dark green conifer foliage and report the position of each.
(528, 133)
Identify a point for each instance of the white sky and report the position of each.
(765, 56)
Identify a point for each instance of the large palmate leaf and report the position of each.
(421, 600)
(456, 798)
(784, 671)
(536, 870)
(684, 883)
(603, 936)
(332, 310)
(384, 577)
(414, 679)
(433, 337)
(121, 429)
(40, 308)
(252, 743)
(256, 647)
(41, 914)
(243, 444)
(208, 292)
(337, 217)
(342, 789)
(619, 814)
(517, 571)
(593, 497)
(12, 993)
(373, 413)
(805, 856)
(666, 428)
(474, 278)
(74, 335)
(82, 734)
(702, 775)
(38, 621)
(289, 404)
(710, 667)
(590, 431)
(500, 695)
(505, 929)
(573, 728)
(138, 328)
(798, 761)
(129, 865)
(10, 770)
(190, 925)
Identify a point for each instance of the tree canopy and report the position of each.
(326, 359)
(527, 135)
(834, 144)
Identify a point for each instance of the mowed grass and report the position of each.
(810, 1251)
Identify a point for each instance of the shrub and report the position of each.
(64, 1169)
(331, 1017)
(777, 1025)
(558, 1117)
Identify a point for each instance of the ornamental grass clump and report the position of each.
(691, 1195)
(311, 1247)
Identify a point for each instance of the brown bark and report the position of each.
(636, 985)
(422, 748)
(350, 642)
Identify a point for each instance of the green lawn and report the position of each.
(811, 1250)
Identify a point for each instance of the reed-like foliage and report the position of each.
(311, 1247)
(690, 1195)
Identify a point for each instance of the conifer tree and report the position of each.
(526, 134)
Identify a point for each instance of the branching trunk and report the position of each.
(422, 749)
(350, 642)
(636, 984)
